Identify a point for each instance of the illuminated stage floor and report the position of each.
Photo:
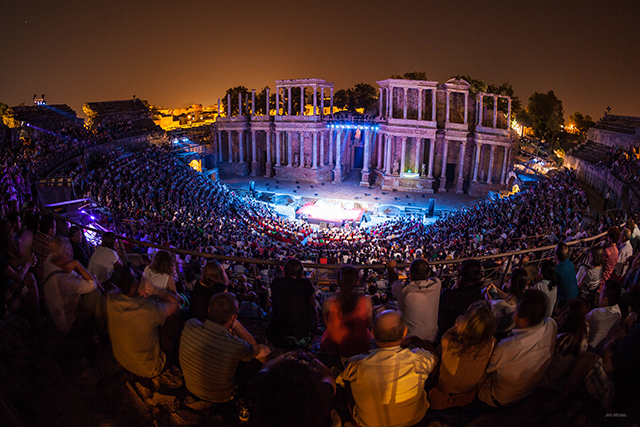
(351, 192)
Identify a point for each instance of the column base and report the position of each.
(268, 170)
(459, 186)
(364, 179)
(254, 168)
(443, 184)
(337, 175)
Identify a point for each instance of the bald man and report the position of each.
(388, 383)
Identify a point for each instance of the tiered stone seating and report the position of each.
(591, 152)
(49, 117)
(124, 118)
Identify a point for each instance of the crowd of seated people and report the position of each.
(625, 164)
(163, 200)
(439, 354)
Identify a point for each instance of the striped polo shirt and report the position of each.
(209, 356)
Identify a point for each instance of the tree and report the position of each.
(582, 123)
(413, 75)
(363, 96)
(507, 90)
(476, 87)
(546, 114)
(341, 99)
(234, 91)
(261, 101)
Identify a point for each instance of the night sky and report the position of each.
(176, 53)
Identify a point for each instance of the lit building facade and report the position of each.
(426, 137)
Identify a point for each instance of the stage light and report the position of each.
(93, 217)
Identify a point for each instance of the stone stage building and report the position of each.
(426, 137)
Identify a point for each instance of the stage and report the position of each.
(329, 214)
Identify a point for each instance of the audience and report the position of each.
(211, 351)
(347, 317)
(589, 282)
(455, 300)
(519, 361)
(418, 298)
(565, 275)
(135, 313)
(105, 259)
(466, 349)
(73, 295)
(388, 383)
(294, 321)
(603, 319)
(214, 280)
(547, 284)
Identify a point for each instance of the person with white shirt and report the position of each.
(105, 259)
(520, 360)
(604, 319)
(625, 252)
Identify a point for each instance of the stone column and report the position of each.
(491, 164)
(289, 101)
(479, 107)
(390, 102)
(367, 151)
(240, 105)
(443, 174)
(433, 104)
(322, 101)
(432, 155)
(495, 111)
(331, 104)
(302, 100)
(337, 170)
(289, 150)
(219, 145)
(509, 116)
(315, 102)
(268, 165)
(254, 153)
(504, 165)
(219, 107)
(448, 112)
(380, 101)
(380, 143)
(416, 162)
(460, 183)
(241, 146)
(230, 147)
(331, 147)
(301, 155)
(322, 148)
(278, 135)
(403, 154)
(387, 160)
(404, 113)
(229, 105)
(253, 102)
(466, 107)
(314, 161)
(277, 101)
(420, 104)
(268, 109)
(475, 168)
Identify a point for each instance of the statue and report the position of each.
(307, 162)
(396, 167)
(296, 160)
(423, 169)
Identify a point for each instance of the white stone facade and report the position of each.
(426, 137)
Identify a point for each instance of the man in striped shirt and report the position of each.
(211, 351)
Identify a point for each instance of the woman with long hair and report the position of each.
(214, 280)
(466, 349)
(161, 271)
(347, 317)
(454, 301)
(589, 283)
(548, 285)
(505, 304)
